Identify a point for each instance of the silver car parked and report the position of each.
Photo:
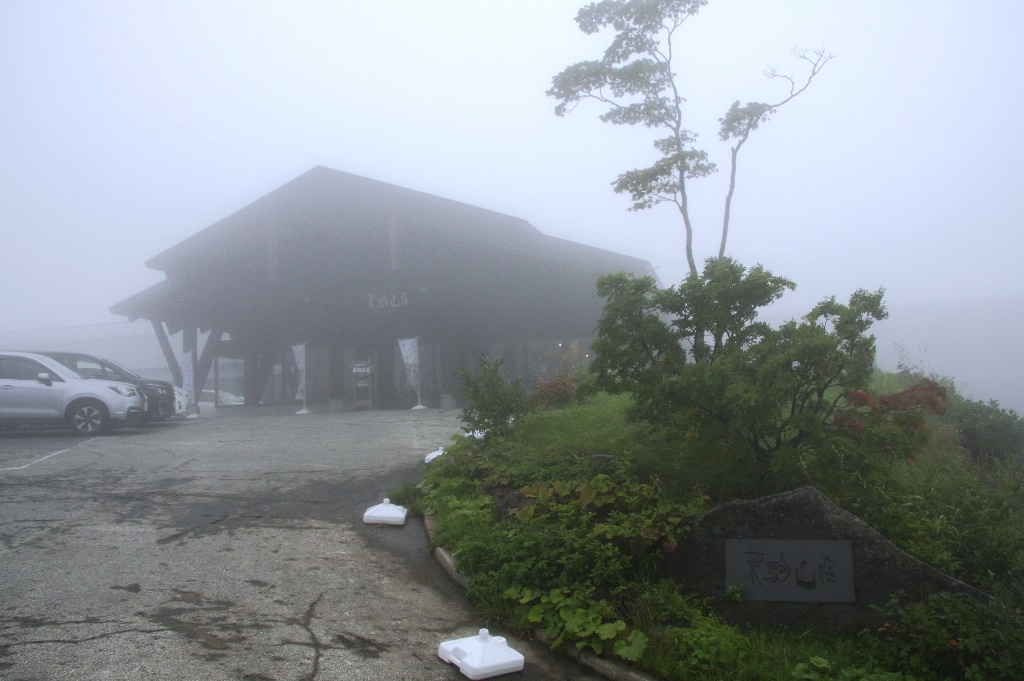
(37, 389)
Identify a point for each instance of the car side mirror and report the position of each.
(44, 378)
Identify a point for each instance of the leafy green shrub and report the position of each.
(951, 636)
(467, 527)
(820, 669)
(960, 517)
(571, 443)
(913, 523)
(595, 533)
(578, 618)
(563, 559)
(708, 648)
(611, 530)
(560, 391)
(494, 401)
(988, 432)
(870, 434)
(694, 358)
(597, 426)
(409, 496)
(571, 554)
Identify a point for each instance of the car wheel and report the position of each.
(89, 417)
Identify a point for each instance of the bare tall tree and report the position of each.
(635, 79)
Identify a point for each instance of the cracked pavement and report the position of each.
(228, 548)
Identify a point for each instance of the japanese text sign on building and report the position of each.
(386, 301)
(800, 570)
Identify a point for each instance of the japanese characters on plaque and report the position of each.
(799, 570)
(386, 301)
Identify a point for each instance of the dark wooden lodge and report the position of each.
(348, 265)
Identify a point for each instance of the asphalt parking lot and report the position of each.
(228, 548)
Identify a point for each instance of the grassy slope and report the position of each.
(936, 505)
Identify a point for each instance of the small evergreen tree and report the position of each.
(694, 357)
(494, 401)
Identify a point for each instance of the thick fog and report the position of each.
(128, 126)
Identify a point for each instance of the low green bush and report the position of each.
(707, 647)
(988, 432)
(559, 391)
(951, 636)
(821, 669)
(495, 402)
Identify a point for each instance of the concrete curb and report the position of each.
(604, 667)
(447, 560)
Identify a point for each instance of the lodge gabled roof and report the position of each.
(320, 189)
(322, 243)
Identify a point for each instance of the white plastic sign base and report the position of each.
(434, 454)
(481, 656)
(385, 514)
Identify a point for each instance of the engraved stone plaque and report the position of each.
(798, 570)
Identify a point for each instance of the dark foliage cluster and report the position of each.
(988, 432)
(560, 391)
(494, 401)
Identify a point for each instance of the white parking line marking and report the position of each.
(51, 454)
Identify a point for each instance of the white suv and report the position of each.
(37, 389)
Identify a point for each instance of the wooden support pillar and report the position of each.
(258, 367)
(210, 351)
(165, 346)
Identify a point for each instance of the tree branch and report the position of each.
(739, 122)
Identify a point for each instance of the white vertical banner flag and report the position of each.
(300, 361)
(410, 348)
(188, 377)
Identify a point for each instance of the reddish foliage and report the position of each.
(926, 394)
(859, 398)
(848, 419)
(560, 391)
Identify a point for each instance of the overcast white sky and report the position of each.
(128, 126)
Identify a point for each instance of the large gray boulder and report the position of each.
(762, 531)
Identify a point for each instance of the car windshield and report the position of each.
(64, 369)
(123, 370)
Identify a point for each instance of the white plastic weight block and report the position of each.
(385, 514)
(481, 656)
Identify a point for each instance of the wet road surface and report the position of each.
(228, 548)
